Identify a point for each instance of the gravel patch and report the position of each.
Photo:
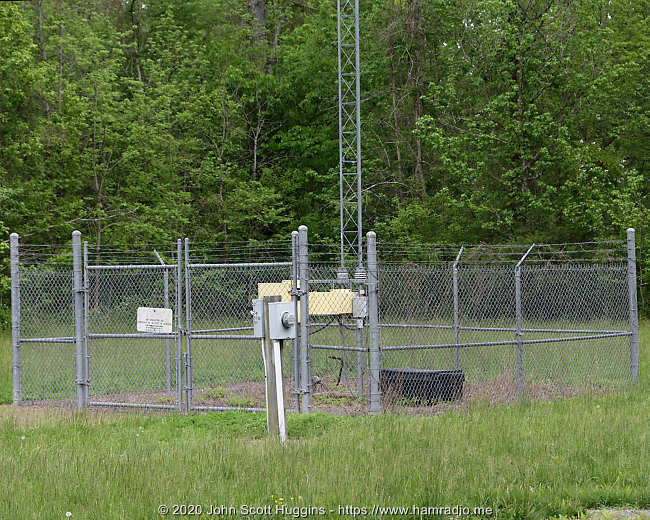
(618, 514)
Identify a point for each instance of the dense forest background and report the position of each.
(483, 120)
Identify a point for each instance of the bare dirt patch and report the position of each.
(498, 390)
(35, 415)
(328, 396)
(618, 514)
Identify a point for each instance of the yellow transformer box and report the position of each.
(331, 303)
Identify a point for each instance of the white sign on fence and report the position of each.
(154, 319)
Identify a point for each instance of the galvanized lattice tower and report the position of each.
(350, 135)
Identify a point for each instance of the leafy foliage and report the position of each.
(483, 120)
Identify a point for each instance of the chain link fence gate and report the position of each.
(76, 338)
(225, 369)
(423, 327)
(124, 367)
(337, 331)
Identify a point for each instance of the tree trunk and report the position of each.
(396, 127)
(258, 12)
(256, 136)
(59, 95)
(273, 59)
(136, 42)
(417, 113)
(520, 108)
(416, 38)
(41, 43)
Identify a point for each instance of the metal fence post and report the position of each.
(179, 323)
(634, 311)
(168, 361)
(373, 324)
(519, 325)
(456, 316)
(294, 298)
(77, 288)
(188, 325)
(86, 324)
(15, 317)
(344, 361)
(518, 333)
(359, 325)
(305, 369)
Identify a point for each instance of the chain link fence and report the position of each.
(416, 328)
(123, 366)
(42, 322)
(338, 345)
(227, 369)
(500, 323)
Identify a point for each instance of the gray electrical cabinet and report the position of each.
(258, 318)
(282, 320)
(360, 307)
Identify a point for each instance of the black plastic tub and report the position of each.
(422, 386)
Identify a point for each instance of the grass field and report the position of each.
(526, 460)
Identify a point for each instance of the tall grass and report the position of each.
(527, 460)
(5, 368)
